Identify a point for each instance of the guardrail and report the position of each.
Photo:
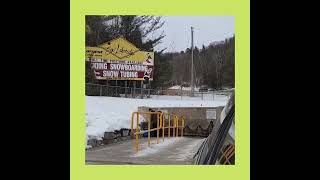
(161, 117)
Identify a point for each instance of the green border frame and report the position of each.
(240, 9)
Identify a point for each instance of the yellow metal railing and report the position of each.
(160, 125)
(175, 126)
(227, 154)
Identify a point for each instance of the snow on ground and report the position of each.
(154, 148)
(184, 88)
(113, 113)
(188, 148)
(198, 97)
(171, 147)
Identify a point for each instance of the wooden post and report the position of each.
(149, 86)
(107, 87)
(141, 89)
(134, 89)
(116, 88)
(125, 88)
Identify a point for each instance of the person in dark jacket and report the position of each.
(153, 123)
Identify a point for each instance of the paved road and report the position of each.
(177, 150)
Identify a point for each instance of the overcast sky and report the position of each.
(207, 29)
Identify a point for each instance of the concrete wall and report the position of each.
(199, 121)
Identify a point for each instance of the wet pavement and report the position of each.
(171, 151)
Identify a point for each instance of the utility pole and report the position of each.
(192, 83)
(217, 81)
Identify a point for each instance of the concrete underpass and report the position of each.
(173, 150)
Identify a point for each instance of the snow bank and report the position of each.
(184, 88)
(113, 113)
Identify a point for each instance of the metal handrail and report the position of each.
(160, 125)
